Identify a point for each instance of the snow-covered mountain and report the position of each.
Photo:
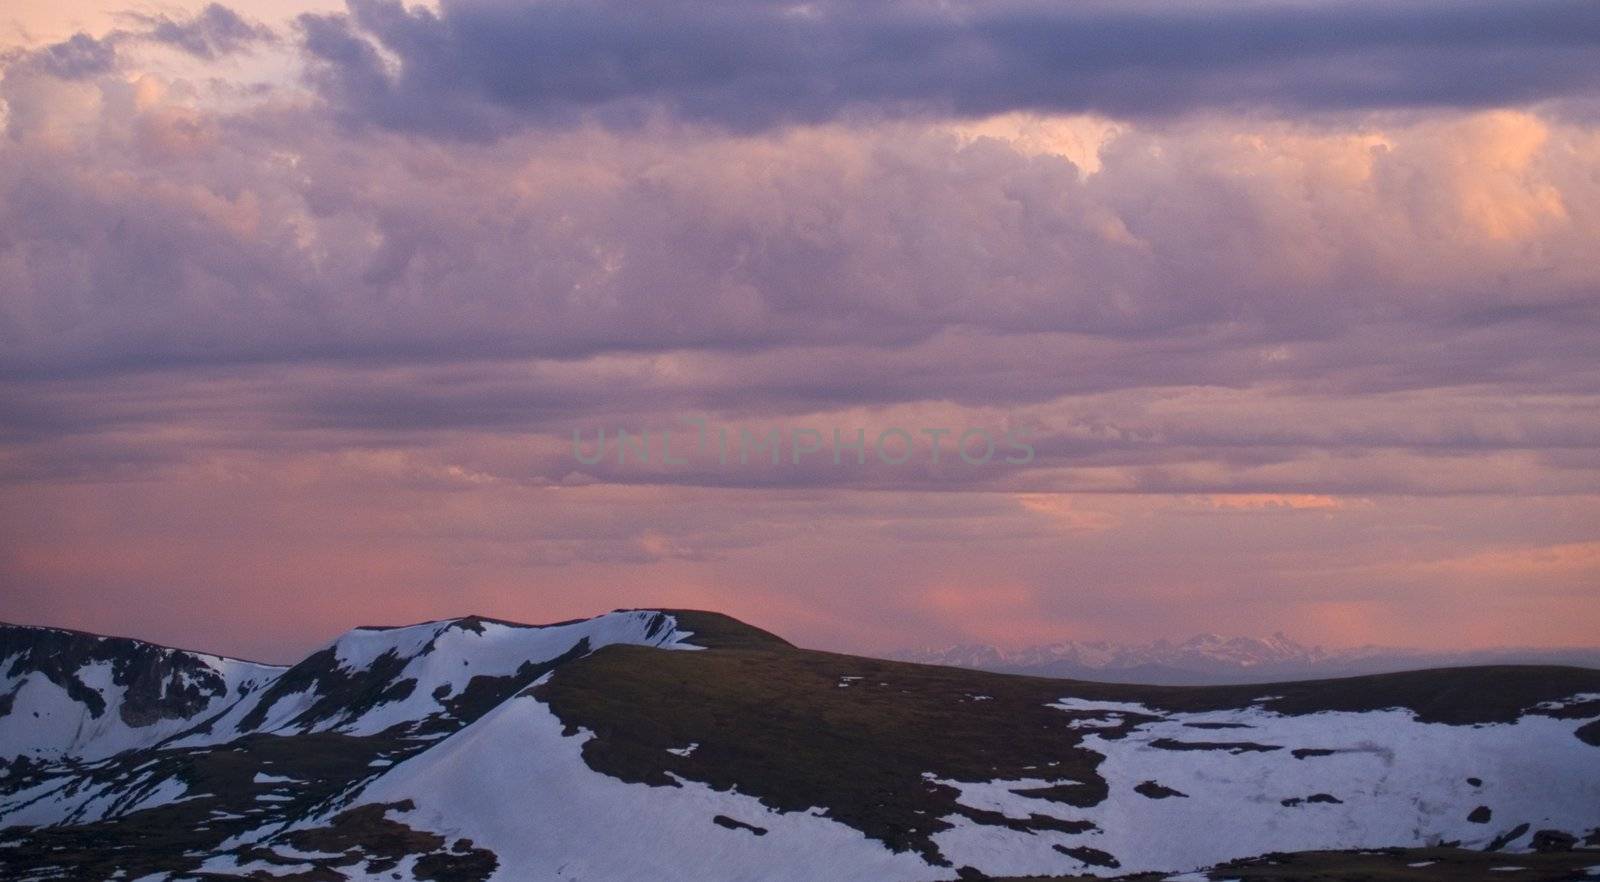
(668, 745)
(1210, 659)
(70, 694)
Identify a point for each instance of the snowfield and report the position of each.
(513, 783)
(1374, 779)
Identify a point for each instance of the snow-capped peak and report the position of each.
(415, 677)
(72, 694)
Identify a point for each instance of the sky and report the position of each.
(1282, 315)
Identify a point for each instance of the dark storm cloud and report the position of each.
(481, 67)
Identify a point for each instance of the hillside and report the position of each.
(71, 694)
(687, 745)
(1208, 659)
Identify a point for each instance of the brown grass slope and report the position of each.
(1388, 865)
(861, 737)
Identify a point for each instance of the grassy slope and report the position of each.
(1391, 865)
(775, 721)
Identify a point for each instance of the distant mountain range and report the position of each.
(666, 745)
(1211, 659)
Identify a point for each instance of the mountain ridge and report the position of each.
(674, 744)
(1211, 659)
(156, 644)
(1037, 658)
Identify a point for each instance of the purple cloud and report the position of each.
(249, 351)
(479, 68)
(213, 32)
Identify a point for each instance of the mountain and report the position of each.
(70, 694)
(685, 745)
(1209, 659)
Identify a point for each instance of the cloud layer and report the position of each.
(289, 350)
(474, 68)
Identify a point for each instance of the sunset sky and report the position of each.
(1298, 301)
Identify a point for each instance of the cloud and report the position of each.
(77, 57)
(209, 34)
(1224, 305)
(806, 270)
(214, 31)
(257, 362)
(480, 68)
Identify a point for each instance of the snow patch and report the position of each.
(513, 771)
